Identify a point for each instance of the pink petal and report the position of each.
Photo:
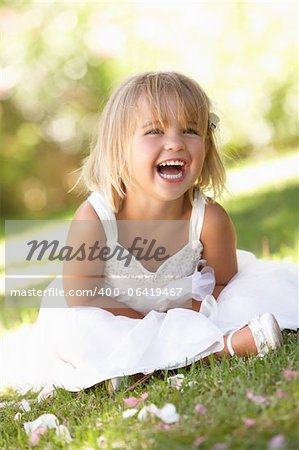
(200, 409)
(248, 422)
(277, 442)
(258, 399)
(164, 426)
(40, 430)
(35, 435)
(34, 438)
(290, 374)
(199, 441)
(131, 402)
(280, 393)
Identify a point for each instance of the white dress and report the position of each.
(78, 347)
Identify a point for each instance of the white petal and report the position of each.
(47, 392)
(63, 433)
(129, 412)
(168, 414)
(45, 420)
(24, 405)
(151, 410)
(176, 380)
(18, 417)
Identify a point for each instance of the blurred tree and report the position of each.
(60, 60)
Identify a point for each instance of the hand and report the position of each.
(193, 305)
(196, 305)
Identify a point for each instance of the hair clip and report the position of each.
(213, 121)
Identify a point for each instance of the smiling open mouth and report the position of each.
(171, 170)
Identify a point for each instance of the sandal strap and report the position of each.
(229, 343)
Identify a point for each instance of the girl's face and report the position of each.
(166, 160)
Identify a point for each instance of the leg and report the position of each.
(257, 338)
(242, 342)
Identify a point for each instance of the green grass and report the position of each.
(221, 387)
(267, 221)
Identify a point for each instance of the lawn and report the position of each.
(229, 404)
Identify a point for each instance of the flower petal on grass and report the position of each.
(248, 422)
(200, 409)
(47, 392)
(164, 426)
(290, 374)
(18, 417)
(277, 442)
(35, 435)
(191, 383)
(24, 405)
(150, 410)
(63, 433)
(200, 440)
(167, 414)
(99, 423)
(101, 441)
(280, 393)
(133, 402)
(129, 413)
(176, 381)
(44, 421)
(258, 399)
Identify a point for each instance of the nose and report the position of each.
(174, 143)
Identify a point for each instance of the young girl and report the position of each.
(168, 286)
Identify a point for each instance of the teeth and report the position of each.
(172, 163)
(171, 177)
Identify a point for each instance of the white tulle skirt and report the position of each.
(76, 348)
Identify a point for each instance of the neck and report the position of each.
(136, 207)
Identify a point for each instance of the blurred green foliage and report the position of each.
(61, 59)
(273, 218)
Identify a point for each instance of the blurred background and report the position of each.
(60, 60)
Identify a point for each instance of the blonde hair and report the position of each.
(108, 168)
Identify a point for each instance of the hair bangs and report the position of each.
(174, 96)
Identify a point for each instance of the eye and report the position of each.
(154, 131)
(191, 131)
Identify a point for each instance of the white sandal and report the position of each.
(266, 334)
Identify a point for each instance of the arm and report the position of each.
(86, 229)
(219, 242)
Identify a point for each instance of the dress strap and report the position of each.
(197, 216)
(106, 215)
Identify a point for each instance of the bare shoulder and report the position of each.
(217, 221)
(85, 212)
(87, 222)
